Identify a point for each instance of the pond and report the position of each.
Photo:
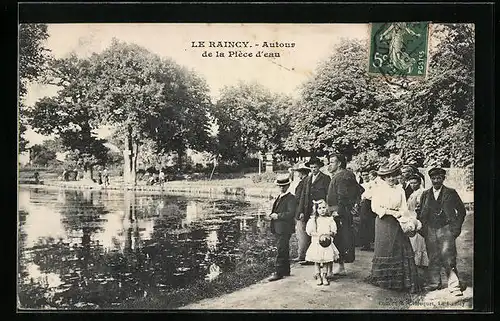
(110, 249)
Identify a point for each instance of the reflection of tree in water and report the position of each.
(173, 256)
(243, 240)
(28, 290)
(256, 244)
(176, 248)
(223, 256)
(78, 260)
(90, 275)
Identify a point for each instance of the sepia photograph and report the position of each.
(237, 166)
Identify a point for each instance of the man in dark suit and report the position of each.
(343, 193)
(318, 181)
(282, 225)
(303, 239)
(315, 188)
(442, 213)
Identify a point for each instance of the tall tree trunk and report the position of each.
(128, 169)
(129, 209)
(135, 153)
(180, 162)
(88, 173)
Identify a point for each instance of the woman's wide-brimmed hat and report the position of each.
(391, 166)
(283, 180)
(315, 161)
(301, 167)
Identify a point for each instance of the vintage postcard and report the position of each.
(294, 166)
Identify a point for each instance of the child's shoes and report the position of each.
(325, 280)
(319, 279)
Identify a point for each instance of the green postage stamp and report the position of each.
(399, 49)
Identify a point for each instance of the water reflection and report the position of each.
(92, 249)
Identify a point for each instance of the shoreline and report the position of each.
(192, 188)
(202, 188)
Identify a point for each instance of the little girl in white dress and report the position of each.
(322, 251)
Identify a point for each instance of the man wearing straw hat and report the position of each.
(282, 225)
(442, 214)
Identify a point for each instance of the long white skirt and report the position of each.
(420, 250)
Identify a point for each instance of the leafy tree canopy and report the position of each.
(339, 110)
(251, 119)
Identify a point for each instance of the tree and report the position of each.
(189, 115)
(41, 155)
(32, 53)
(250, 119)
(33, 57)
(70, 115)
(340, 110)
(366, 161)
(152, 156)
(441, 109)
(145, 96)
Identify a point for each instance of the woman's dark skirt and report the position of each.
(366, 224)
(393, 264)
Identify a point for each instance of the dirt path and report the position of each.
(299, 291)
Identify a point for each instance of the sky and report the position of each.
(313, 43)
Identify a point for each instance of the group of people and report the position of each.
(155, 178)
(412, 229)
(103, 177)
(70, 175)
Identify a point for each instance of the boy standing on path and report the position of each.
(282, 225)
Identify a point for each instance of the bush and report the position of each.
(469, 179)
(115, 170)
(366, 161)
(264, 178)
(227, 175)
(284, 165)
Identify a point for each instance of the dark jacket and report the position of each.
(285, 208)
(298, 195)
(343, 192)
(408, 190)
(300, 187)
(316, 190)
(450, 205)
(319, 188)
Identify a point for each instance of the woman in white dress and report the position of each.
(393, 264)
